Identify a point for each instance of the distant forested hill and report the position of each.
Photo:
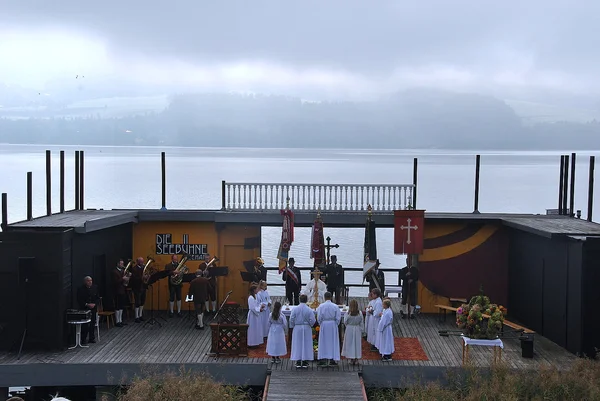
(412, 119)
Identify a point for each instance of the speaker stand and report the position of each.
(26, 318)
(152, 321)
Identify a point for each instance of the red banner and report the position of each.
(409, 226)
(287, 237)
(317, 244)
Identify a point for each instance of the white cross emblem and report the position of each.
(408, 227)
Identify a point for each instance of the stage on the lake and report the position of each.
(123, 352)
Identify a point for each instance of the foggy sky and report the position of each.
(332, 45)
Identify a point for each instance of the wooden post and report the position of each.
(223, 195)
(163, 164)
(572, 194)
(76, 180)
(591, 188)
(62, 181)
(566, 185)
(48, 183)
(29, 195)
(4, 211)
(560, 184)
(415, 176)
(81, 180)
(477, 167)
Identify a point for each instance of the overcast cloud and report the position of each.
(345, 47)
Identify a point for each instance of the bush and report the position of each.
(183, 386)
(581, 382)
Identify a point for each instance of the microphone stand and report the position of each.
(223, 303)
(26, 317)
(152, 321)
(159, 313)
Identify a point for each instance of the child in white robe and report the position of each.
(255, 327)
(352, 347)
(264, 298)
(302, 319)
(329, 317)
(385, 339)
(276, 344)
(368, 315)
(375, 317)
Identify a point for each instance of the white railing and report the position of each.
(312, 197)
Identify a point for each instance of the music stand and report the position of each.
(152, 321)
(189, 300)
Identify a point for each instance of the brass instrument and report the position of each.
(213, 260)
(180, 270)
(148, 270)
(126, 274)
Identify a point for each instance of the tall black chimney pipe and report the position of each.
(591, 188)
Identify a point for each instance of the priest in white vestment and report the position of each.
(309, 291)
(329, 316)
(302, 320)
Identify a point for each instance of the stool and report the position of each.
(78, 333)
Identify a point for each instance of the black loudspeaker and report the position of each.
(26, 270)
(526, 345)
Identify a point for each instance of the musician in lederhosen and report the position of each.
(260, 271)
(138, 287)
(120, 280)
(87, 299)
(211, 294)
(199, 291)
(174, 290)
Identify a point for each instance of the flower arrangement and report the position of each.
(315, 337)
(480, 318)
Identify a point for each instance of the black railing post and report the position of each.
(4, 211)
(572, 194)
(566, 185)
(163, 166)
(560, 184)
(76, 180)
(477, 168)
(62, 181)
(591, 188)
(29, 195)
(48, 183)
(81, 175)
(223, 195)
(415, 177)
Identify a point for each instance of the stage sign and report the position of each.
(165, 246)
(409, 227)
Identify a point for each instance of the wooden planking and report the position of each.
(73, 218)
(309, 385)
(178, 342)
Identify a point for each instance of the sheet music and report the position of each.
(189, 299)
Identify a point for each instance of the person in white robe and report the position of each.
(276, 344)
(352, 347)
(302, 320)
(385, 339)
(329, 316)
(375, 318)
(255, 326)
(368, 314)
(265, 299)
(309, 291)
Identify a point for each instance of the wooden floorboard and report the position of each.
(178, 342)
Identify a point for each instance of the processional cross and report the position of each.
(316, 273)
(408, 228)
(328, 247)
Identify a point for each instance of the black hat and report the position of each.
(291, 260)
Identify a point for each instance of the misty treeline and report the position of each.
(412, 119)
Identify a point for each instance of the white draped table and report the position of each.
(497, 344)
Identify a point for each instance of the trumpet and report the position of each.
(127, 274)
(213, 260)
(148, 270)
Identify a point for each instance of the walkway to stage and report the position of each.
(314, 385)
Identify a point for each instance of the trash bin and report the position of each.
(527, 345)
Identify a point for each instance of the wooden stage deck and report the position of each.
(122, 352)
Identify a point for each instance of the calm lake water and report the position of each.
(129, 177)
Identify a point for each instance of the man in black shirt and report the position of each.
(335, 278)
(409, 276)
(87, 299)
(378, 274)
(293, 282)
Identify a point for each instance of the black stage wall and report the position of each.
(95, 254)
(54, 261)
(545, 285)
(31, 278)
(591, 295)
